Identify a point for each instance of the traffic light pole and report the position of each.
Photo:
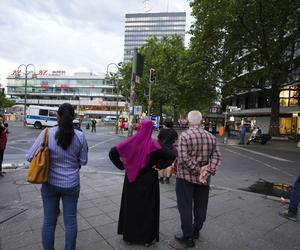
(152, 77)
(132, 93)
(149, 101)
(131, 106)
(137, 71)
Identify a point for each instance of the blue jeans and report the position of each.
(51, 196)
(242, 139)
(295, 197)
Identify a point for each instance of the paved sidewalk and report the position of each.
(236, 219)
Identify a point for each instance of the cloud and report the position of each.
(68, 34)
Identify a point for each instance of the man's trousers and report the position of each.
(192, 199)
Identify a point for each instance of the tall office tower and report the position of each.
(141, 26)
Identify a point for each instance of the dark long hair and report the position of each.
(65, 132)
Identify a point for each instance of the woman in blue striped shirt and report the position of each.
(68, 152)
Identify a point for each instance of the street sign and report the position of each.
(155, 120)
(138, 110)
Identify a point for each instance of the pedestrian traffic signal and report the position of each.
(152, 75)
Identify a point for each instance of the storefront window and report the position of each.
(289, 96)
(285, 125)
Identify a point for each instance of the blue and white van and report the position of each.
(41, 116)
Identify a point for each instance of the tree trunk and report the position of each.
(275, 109)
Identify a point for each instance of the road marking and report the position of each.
(20, 149)
(259, 161)
(95, 145)
(265, 155)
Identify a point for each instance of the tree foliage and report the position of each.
(4, 102)
(251, 43)
(180, 84)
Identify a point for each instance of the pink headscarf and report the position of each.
(135, 151)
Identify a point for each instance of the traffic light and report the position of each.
(152, 75)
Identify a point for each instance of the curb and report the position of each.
(15, 166)
(268, 197)
(8, 166)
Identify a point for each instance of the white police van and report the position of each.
(41, 116)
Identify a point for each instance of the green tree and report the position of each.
(180, 84)
(125, 81)
(4, 102)
(165, 56)
(255, 44)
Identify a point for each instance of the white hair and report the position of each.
(195, 117)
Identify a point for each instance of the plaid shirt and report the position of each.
(196, 148)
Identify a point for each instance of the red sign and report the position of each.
(16, 72)
(44, 85)
(43, 72)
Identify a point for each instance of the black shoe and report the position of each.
(196, 235)
(287, 215)
(187, 242)
(2, 173)
(167, 180)
(161, 180)
(128, 242)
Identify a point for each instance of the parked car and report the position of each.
(110, 119)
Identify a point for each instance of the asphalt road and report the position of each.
(21, 138)
(241, 165)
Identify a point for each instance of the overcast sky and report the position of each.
(71, 35)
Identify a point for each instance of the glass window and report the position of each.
(43, 112)
(52, 113)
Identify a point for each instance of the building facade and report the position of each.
(92, 95)
(255, 109)
(141, 26)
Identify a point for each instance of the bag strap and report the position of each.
(45, 140)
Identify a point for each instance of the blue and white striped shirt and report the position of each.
(64, 164)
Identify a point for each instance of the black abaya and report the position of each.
(139, 212)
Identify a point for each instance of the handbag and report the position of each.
(39, 165)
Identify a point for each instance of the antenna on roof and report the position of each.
(147, 6)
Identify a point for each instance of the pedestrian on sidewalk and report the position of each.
(167, 136)
(226, 133)
(68, 151)
(3, 141)
(122, 125)
(243, 131)
(141, 157)
(198, 159)
(292, 212)
(94, 125)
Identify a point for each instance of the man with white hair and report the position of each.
(198, 159)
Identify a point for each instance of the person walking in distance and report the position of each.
(167, 136)
(3, 141)
(94, 125)
(243, 131)
(141, 157)
(198, 159)
(68, 151)
(227, 133)
(292, 211)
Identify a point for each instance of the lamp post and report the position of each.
(26, 73)
(114, 75)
